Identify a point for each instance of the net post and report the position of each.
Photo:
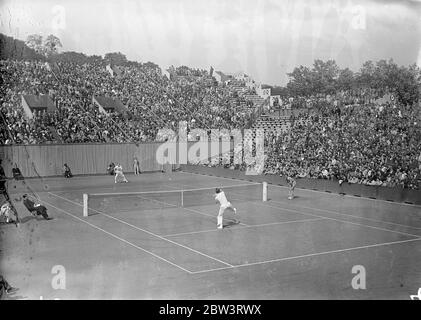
(265, 191)
(182, 198)
(85, 204)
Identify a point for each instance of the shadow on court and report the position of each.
(230, 223)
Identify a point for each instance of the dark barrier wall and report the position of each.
(90, 158)
(48, 160)
(332, 186)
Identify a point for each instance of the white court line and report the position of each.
(339, 220)
(117, 237)
(307, 255)
(349, 215)
(231, 266)
(192, 210)
(328, 218)
(148, 232)
(199, 212)
(244, 227)
(162, 191)
(310, 190)
(335, 212)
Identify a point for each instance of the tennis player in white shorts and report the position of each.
(225, 204)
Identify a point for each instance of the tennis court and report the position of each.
(139, 246)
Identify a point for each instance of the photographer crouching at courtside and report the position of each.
(110, 169)
(34, 208)
(67, 171)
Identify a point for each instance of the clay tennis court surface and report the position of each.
(300, 249)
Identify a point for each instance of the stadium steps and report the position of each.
(257, 100)
(275, 126)
(238, 88)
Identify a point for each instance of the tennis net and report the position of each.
(96, 203)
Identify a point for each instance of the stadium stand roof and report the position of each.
(31, 103)
(109, 104)
(42, 101)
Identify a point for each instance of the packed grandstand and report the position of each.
(348, 131)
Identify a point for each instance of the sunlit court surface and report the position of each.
(148, 246)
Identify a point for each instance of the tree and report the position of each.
(300, 80)
(407, 86)
(151, 65)
(115, 58)
(387, 76)
(345, 80)
(69, 56)
(47, 47)
(16, 49)
(51, 44)
(324, 75)
(320, 79)
(95, 59)
(34, 41)
(365, 78)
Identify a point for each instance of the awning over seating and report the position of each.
(107, 105)
(33, 104)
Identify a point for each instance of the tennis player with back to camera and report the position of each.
(224, 204)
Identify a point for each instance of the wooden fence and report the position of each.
(93, 158)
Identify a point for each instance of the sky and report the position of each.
(265, 39)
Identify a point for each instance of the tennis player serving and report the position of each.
(224, 204)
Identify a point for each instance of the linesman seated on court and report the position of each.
(34, 208)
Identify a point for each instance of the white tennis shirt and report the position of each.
(221, 198)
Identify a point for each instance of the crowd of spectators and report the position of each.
(153, 102)
(369, 144)
(357, 96)
(19, 78)
(343, 136)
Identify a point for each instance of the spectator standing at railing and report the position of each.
(67, 171)
(17, 174)
(136, 166)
